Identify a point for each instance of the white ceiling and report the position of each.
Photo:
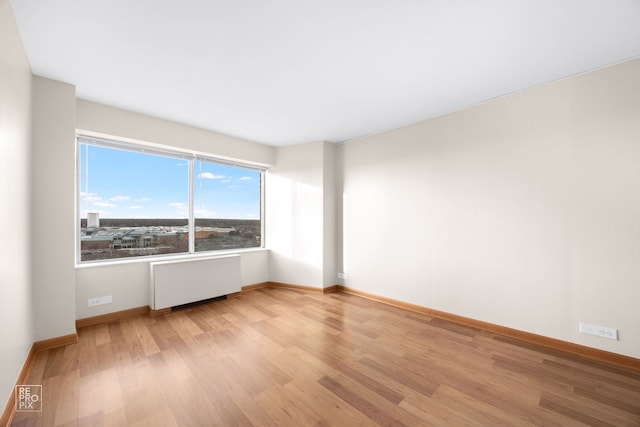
(281, 72)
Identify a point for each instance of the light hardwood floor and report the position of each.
(282, 357)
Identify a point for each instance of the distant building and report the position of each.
(93, 219)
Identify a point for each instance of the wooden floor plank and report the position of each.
(326, 405)
(284, 409)
(286, 357)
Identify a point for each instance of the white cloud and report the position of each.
(119, 198)
(90, 197)
(144, 199)
(135, 207)
(178, 205)
(209, 175)
(104, 204)
(244, 178)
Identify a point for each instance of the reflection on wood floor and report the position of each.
(282, 357)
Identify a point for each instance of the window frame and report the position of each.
(174, 152)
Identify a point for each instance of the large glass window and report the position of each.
(227, 206)
(138, 201)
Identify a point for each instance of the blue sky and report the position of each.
(125, 184)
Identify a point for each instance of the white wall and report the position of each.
(605, 203)
(329, 215)
(52, 208)
(299, 215)
(128, 282)
(100, 119)
(523, 212)
(16, 334)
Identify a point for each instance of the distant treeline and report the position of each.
(173, 222)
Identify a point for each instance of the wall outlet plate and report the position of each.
(92, 302)
(599, 331)
(342, 275)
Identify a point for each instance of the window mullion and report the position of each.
(192, 219)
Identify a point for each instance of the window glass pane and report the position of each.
(226, 206)
(131, 203)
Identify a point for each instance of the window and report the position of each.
(140, 201)
(227, 206)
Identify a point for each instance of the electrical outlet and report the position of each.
(599, 331)
(342, 275)
(99, 301)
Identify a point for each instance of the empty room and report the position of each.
(293, 213)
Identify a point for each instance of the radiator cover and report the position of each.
(179, 282)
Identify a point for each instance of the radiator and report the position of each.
(184, 281)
